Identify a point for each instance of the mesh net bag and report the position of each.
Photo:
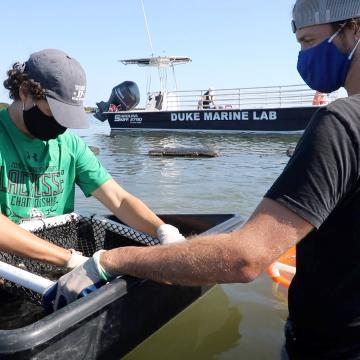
(72, 231)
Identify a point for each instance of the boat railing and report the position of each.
(240, 98)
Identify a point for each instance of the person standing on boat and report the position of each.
(207, 101)
(314, 203)
(41, 161)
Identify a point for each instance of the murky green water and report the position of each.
(235, 321)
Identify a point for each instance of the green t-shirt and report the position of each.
(41, 175)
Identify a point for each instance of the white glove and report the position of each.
(168, 234)
(76, 259)
(79, 282)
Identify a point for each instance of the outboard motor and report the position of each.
(124, 97)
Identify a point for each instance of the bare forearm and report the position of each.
(199, 261)
(127, 207)
(239, 256)
(137, 215)
(15, 240)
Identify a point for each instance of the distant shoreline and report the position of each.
(88, 109)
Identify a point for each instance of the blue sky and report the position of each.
(232, 43)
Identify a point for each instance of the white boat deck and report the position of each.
(236, 98)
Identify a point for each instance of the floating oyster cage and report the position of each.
(114, 319)
(86, 234)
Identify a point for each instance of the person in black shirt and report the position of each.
(314, 203)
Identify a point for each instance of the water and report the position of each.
(242, 321)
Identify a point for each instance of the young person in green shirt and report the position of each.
(41, 161)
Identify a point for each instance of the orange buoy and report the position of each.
(283, 269)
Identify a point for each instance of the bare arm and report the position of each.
(239, 256)
(15, 240)
(127, 207)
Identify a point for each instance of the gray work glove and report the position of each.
(168, 234)
(76, 259)
(79, 282)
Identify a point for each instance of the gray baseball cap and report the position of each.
(314, 12)
(64, 81)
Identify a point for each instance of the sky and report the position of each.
(232, 43)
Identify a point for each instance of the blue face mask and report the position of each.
(324, 67)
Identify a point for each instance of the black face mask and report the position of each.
(40, 125)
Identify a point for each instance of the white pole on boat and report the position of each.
(162, 86)
(147, 27)
(25, 278)
(174, 77)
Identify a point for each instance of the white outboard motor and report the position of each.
(124, 97)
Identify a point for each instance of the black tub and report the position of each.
(110, 322)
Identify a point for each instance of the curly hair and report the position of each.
(350, 23)
(17, 77)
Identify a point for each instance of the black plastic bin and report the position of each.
(110, 322)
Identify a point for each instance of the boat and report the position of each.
(109, 322)
(257, 109)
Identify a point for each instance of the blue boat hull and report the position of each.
(262, 120)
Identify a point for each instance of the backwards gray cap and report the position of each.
(314, 12)
(64, 82)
